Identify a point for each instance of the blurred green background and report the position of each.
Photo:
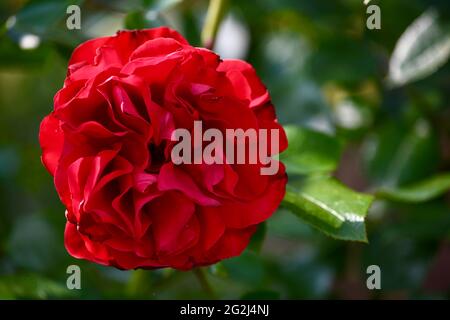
(381, 97)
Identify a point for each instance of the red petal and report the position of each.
(51, 139)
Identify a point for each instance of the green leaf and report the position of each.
(310, 151)
(330, 207)
(418, 192)
(422, 49)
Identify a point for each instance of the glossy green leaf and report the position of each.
(418, 192)
(310, 151)
(330, 207)
(422, 49)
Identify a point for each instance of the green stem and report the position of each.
(200, 274)
(216, 11)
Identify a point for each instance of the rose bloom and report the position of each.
(108, 145)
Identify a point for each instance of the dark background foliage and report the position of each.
(329, 76)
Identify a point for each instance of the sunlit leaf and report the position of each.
(422, 49)
(330, 207)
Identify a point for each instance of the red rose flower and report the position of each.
(108, 145)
